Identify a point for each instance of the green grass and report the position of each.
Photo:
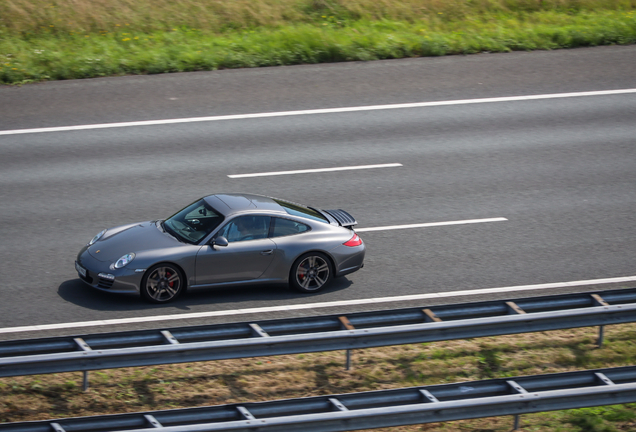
(317, 32)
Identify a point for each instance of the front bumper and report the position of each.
(98, 275)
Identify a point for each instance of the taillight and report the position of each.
(353, 241)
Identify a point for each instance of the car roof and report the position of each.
(229, 204)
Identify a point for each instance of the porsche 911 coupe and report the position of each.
(222, 240)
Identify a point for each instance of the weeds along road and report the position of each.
(559, 170)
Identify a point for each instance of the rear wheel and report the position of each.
(162, 283)
(311, 272)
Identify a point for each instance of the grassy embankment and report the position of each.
(248, 380)
(67, 39)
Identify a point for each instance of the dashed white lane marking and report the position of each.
(316, 170)
(318, 111)
(430, 224)
(233, 312)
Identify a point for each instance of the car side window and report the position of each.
(245, 228)
(284, 227)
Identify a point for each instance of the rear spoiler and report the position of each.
(342, 217)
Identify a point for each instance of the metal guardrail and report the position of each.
(386, 408)
(314, 334)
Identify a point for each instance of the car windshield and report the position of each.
(300, 210)
(193, 223)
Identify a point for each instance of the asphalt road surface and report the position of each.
(559, 172)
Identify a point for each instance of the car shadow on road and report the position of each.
(77, 292)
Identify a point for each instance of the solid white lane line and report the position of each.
(317, 170)
(378, 300)
(430, 224)
(319, 111)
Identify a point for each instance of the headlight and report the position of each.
(123, 261)
(97, 237)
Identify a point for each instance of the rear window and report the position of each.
(300, 210)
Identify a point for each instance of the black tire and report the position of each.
(311, 272)
(162, 283)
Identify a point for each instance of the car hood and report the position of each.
(130, 238)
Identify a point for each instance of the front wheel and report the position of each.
(311, 272)
(162, 283)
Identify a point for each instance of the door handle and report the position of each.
(267, 252)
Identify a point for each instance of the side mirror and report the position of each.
(220, 241)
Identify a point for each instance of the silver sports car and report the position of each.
(220, 240)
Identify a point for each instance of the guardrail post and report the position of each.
(152, 421)
(169, 337)
(336, 403)
(346, 324)
(601, 331)
(84, 347)
(348, 360)
(85, 381)
(430, 316)
(598, 301)
(258, 331)
(57, 428)
(516, 388)
(514, 309)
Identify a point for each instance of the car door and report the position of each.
(246, 257)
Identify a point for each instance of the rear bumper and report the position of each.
(348, 259)
(349, 270)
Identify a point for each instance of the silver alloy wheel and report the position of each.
(162, 284)
(312, 272)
